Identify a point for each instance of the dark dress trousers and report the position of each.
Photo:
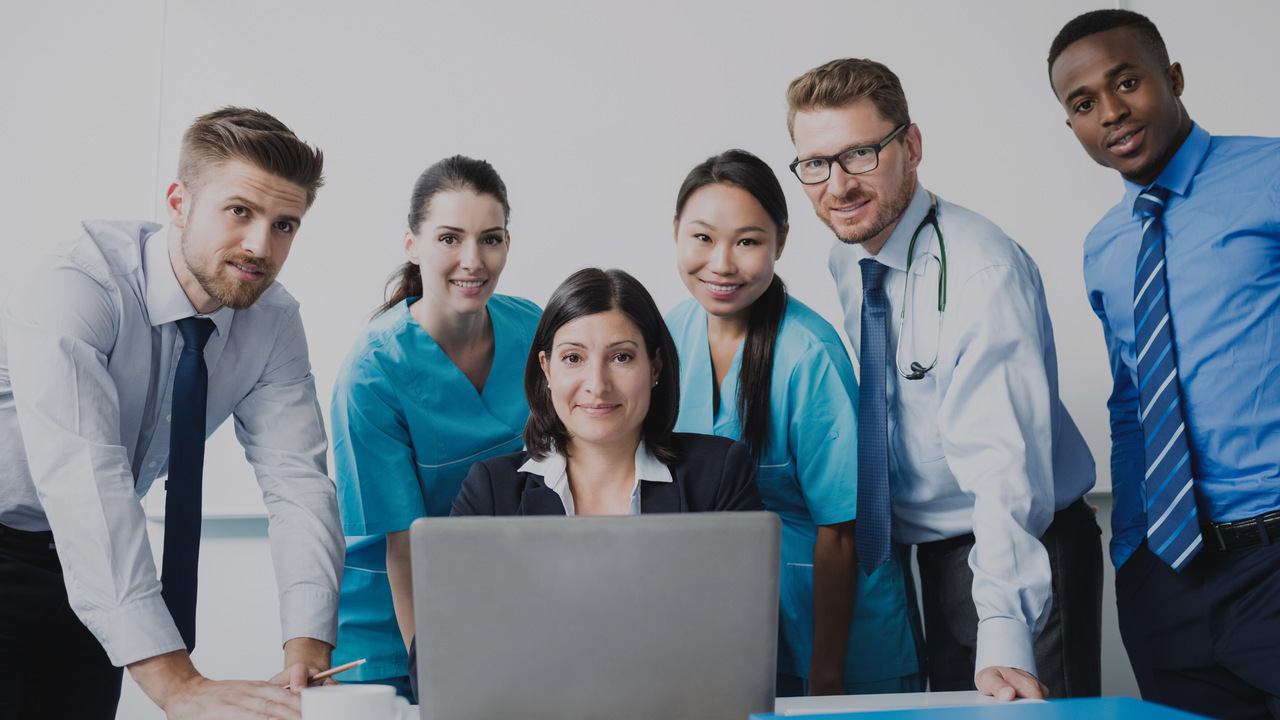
(711, 474)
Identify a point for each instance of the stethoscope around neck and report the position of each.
(918, 371)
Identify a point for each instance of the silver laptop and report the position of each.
(542, 618)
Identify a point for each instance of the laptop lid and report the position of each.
(651, 616)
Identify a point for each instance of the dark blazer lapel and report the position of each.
(538, 499)
(661, 497)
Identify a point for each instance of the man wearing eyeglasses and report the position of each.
(963, 440)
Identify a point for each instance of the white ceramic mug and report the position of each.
(355, 702)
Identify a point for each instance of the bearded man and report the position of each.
(119, 355)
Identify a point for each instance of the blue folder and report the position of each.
(1115, 708)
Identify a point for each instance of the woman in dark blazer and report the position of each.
(603, 386)
(713, 473)
(602, 381)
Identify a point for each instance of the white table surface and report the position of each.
(798, 706)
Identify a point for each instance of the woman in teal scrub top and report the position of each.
(760, 367)
(433, 385)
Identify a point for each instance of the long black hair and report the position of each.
(743, 170)
(451, 174)
(588, 292)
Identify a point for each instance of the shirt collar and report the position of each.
(554, 471)
(649, 468)
(1177, 175)
(894, 252)
(166, 300)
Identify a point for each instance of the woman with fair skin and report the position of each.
(603, 390)
(763, 368)
(430, 387)
(603, 387)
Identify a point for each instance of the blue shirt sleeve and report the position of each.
(1128, 518)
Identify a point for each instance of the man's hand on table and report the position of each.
(1006, 683)
(184, 694)
(303, 657)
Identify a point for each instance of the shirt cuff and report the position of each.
(137, 631)
(1004, 642)
(309, 613)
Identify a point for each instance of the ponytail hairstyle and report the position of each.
(745, 171)
(449, 175)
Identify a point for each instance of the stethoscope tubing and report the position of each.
(918, 371)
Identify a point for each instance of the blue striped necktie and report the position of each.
(1173, 527)
(872, 532)
(186, 470)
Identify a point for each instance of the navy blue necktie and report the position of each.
(873, 422)
(186, 468)
(1173, 527)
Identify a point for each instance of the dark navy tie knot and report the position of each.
(872, 274)
(1152, 201)
(195, 332)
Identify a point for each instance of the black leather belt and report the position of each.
(1260, 530)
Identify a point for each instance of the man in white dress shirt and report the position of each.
(984, 463)
(89, 344)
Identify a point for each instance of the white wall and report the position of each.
(593, 113)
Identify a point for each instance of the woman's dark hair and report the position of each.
(589, 292)
(743, 170)
(449, 175)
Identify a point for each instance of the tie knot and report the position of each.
(195, 332)
(1152, 201)
(872, 274)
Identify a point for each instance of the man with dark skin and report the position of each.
(1186, 269)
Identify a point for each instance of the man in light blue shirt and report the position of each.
(89, 345)
(1204, 636)
(985, 466)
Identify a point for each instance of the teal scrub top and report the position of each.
(807, 476)
(407, 426)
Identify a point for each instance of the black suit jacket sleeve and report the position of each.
(738, 487)
(476, 495)
(715, 474)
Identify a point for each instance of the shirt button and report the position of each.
(168, 418)
(151, 464)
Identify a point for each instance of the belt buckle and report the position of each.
(1217, 531)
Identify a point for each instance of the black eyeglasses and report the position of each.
(853, 161)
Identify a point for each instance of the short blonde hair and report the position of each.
(253, 137)
(841, 82)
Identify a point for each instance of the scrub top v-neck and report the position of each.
(407, 426)
(807, 476)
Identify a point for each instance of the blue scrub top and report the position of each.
(407, 426)
(807, 476)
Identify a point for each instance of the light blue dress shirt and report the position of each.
(88, 347)
(1222, 264)
(407, 426)
(982, 443)
(808, 476)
